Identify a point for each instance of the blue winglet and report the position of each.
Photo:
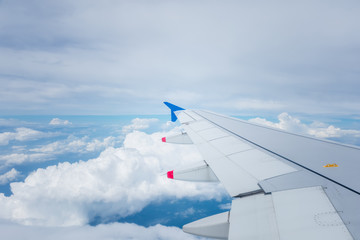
(173, 108)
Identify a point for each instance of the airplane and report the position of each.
(283, 185)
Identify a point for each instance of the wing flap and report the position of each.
(235, 179)
(310, 209)
(215, 226)
(285, 215)
(253, 216)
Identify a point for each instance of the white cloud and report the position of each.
(22, 134)
(316, 129)
(9, 176)
(59, 122)
(225, 206)
(333, 132)
(6, 137)
(20, 158)
(139, 124)
(120, 181)
(47, 152)
(114, 231)
(96, 144)
(286, 122)
(25, 134)
(74, 144)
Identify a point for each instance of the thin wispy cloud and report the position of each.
(76, 145)
(23, 134)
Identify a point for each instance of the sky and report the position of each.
(127, 57)
(81, 113)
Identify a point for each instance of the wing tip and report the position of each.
(173, 108)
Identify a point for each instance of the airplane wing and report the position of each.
(283, 185)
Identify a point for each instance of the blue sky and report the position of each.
(82, 86)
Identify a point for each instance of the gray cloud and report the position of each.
(126, 57)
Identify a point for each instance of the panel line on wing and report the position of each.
(184, 117)
(194, 115)
(229, 155)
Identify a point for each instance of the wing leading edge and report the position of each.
(279, 185)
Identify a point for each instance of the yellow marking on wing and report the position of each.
(331, 165)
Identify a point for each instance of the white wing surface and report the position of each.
(283, 185)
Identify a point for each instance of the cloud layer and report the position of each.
(126, 57)
(76, 145)
(120, 181)
(46, 152)
(114, 231)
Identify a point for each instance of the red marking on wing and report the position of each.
(170, 174)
